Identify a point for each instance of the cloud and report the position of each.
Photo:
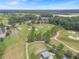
(24, 0)
(64, 5)
(34, 4)
(16, 2)
(13, 3)
(36, 0)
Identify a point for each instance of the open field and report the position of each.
(64, 37)
(31, 35)
(16, 42)
(69, 15)
(17, 49)
(35, 48)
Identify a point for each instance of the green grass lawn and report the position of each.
(36, 47)
(70, 42)
(17, 37)
(4, 19)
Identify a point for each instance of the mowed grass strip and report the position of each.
(16, 50)
(38, 46)
(35, 48)
(70, 42)
(16, 42)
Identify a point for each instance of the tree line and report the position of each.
(69, 23)
(40, 36)
(60, 53)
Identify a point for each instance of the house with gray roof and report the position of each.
(46, 55)
(2, 33)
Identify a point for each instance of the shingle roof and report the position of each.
(46, 54)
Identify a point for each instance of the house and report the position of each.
(64, 57)
(2, 34)
(45, 19)
(46, 55)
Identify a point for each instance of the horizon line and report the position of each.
(39, 9)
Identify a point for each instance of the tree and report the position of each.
(59, 51)
(31, 35)
(54, 30)
(60, 47)
(39, 36)
(2, 26)
(77, 56)
(46, 36)
(8, 31)
(69, 23)
(69, 54)
(52, 49)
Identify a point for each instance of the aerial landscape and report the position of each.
(39, 29)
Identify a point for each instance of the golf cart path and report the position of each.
(27, 55)
(56, 38)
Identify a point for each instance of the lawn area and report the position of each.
(4, 19)
(43, 27)
(16, 43)
(64, 36)
(35, 48)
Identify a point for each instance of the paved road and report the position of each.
(56, 38)
(27, 54)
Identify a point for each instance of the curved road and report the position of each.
(56, 38)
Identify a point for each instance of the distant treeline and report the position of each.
(42, 11)
(69, 23)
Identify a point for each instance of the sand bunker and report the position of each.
(74, 38)
(36, 29)
(71, 32)
(29, 29)
(19, 28)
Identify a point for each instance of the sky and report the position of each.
(39, 4)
